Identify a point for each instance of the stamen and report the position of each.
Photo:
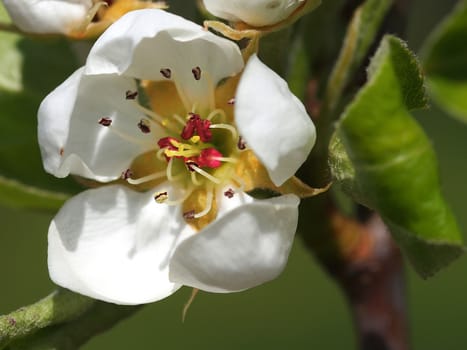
(241, 184)
(194, 179)
(189, 215)
(196, 73)
(161, 154)
(151, 114)
(180, 200)
(226, 159)
(179, 119)
(231, 101)
(182, 94)
(228, 127)
(168, 170)
(209, 197)
(217, 112)
(146, 178)
(241, 144)
(166, 73)
(144, 126)
(105, 121)
(131, 95)
(190, 164)
(126, 174)
(205, 174)
(229, 193)
(161, 197)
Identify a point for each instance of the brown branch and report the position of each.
(361, 257)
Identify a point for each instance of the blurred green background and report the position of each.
(302, 309)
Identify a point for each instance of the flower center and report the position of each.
(199, 154)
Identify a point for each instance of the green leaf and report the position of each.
(361, 33)
(29, 70)
(445, 63)
(392, 162)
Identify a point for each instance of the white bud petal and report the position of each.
(256, 13)
(47, 16)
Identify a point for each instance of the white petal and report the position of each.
(143, 42)
(247, 245)
(70, 137)
(115, 245)
(47, 16)
(256, 13)
(273, 121)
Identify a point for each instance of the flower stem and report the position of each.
(361, 257)
(72, 335)
(60, 306)
(6, 27)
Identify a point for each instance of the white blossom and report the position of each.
(179, 214)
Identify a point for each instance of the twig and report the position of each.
(58, 307)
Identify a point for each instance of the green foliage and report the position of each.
(386, 161)
(445, 63)
(360, 35)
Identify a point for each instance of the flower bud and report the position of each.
(48, 16)
(256, 13)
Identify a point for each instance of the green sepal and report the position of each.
(445, 63)
(387, 163)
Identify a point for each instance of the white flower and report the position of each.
(179, 214)
(48, 16)
(253, 12)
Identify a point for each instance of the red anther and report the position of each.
(241, 144)
(196, 73)
(202, 127)
(105, 121)
(166, 142)
(190, 127)
(199, 126)
(131, 95)
(191, 165)
(166, 73)
(161, 197)
(126, 174)
(229, 193)
(189, 215)
(143, 125)
(208, 158)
